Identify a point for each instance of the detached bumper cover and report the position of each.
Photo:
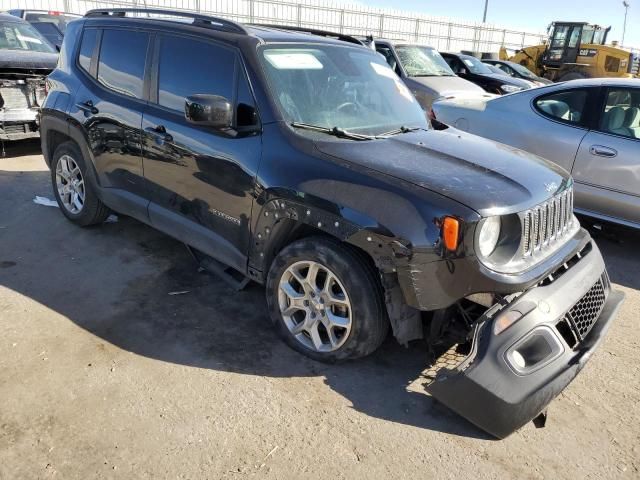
(489, 392)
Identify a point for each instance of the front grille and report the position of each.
(584, 314)
(547, 223)
(14, 98)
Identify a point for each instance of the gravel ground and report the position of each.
(105, 374)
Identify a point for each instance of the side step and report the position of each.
(229, 275)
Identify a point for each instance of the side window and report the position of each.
(575, 36)
(567, 106)
(455, 64)
(87, 47)
(505, 69)
(389, 57)
(621, 114)
(122, 60)
(180, 76)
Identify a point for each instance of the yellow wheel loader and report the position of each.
(577, 50)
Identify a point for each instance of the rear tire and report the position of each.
(326, 300)
(74, 192)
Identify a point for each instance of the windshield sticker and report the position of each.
(468, 62)
(293, 61)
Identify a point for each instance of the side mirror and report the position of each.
(209, 110)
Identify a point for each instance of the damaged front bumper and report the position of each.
(509, 378)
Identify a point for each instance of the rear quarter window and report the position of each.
(567, 106)
(87, 47)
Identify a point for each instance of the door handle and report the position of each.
(160, 134)
(87, 107)
(602, 151)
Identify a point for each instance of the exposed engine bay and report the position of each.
(20, 98)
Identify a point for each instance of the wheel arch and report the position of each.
(55, 131)
(285, 218)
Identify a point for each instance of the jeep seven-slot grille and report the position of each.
(546, 223)
(583, 315)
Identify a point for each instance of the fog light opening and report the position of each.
(533, 352)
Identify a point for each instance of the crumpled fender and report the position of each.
(285, 211)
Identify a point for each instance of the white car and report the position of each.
(590, 128)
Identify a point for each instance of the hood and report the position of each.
(486, 176)
(27, 61)
(444, 86)
(507, 80)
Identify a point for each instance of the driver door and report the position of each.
(200, 180)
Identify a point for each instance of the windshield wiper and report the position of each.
(400, 130)
(335, 131)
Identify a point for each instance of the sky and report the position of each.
(531, 15)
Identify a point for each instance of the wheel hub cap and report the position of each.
(315, 306)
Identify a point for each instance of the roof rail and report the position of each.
(200, 20)
(312, 31)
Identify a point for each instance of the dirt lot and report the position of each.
(103, 374)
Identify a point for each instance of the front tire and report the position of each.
(75, 194)
(326, 300)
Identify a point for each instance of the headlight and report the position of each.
(489, 236)
(510, 88)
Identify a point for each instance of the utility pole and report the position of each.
(486, 5)
(624, 28)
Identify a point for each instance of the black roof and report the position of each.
(265, 33)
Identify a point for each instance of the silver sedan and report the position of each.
(591, 128)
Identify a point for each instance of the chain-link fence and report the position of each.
(441, 33)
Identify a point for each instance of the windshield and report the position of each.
(423, 62)
(476, 66)
(60, 21)
(330, 86)
(524, 71)
(22, 36)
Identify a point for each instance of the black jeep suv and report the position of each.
(304, 163)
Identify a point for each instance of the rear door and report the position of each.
(109, 104)
(607, 167)
(200, 181)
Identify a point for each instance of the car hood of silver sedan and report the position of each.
(489, 177)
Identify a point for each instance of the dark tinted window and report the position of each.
(181, 74)
(87, 47)
(122, 59)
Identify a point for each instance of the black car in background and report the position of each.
(304, 163)
(472, 69)
(516, 70)
(51, 24)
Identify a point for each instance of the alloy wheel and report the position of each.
(70, 184)
(315, 306)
